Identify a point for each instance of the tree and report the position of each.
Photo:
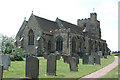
(8, 47)
(7, 44)
(17, 54)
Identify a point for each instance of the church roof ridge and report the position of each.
(47, 25)
(44, 18)
(67, 22)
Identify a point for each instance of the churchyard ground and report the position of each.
(17, 68)
(114, 73)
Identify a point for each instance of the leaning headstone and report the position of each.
(51, 64)
(1, 72)
(32, 67)
(5, 61)
(73, 64)
(97, 59)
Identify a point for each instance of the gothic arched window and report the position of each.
(59, 44)
(73, 45)
(31, 37)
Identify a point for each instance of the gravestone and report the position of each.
(91, 59)
(100, 53)
(1, 72)
(77, 57)
(97, 59)
(65, 58)
(51, 64)
(85, 59)
(105, 55)
(32, 67)
(5, 61)
(73, 62)
(93, 53)
(45, 55)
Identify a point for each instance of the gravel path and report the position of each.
(102, 71)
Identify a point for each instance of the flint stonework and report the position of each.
(59, 36)
(32, 67)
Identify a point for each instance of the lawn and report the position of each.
(113, 74)
(17, 69)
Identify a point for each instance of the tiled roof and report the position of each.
(73, 27)
(46, 25)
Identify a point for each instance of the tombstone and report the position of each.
(93, 53)
(100, 54)
(65, 58)
(45, 55)
(73, 62)
(51, 64)
(1, 61)
(58, 57)
(77, 57)
(32, 67)
(105, 55)
(91, 59)
(5, 61)
(57, 53)
(1, 72)
(97, 59)
(85, 58)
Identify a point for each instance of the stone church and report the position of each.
(39, 35)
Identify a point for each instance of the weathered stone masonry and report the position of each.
(39, 35)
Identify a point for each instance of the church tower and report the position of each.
(93, 16)
(91, 25)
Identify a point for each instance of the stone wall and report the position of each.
(88, 41)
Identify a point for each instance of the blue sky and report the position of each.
(12, 13)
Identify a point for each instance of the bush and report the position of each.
(18, 54)
(18, 58)
(12, 58)
(117, 54)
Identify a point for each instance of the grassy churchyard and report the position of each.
(114, 73)
(17, 69)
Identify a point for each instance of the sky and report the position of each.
(13, 12)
